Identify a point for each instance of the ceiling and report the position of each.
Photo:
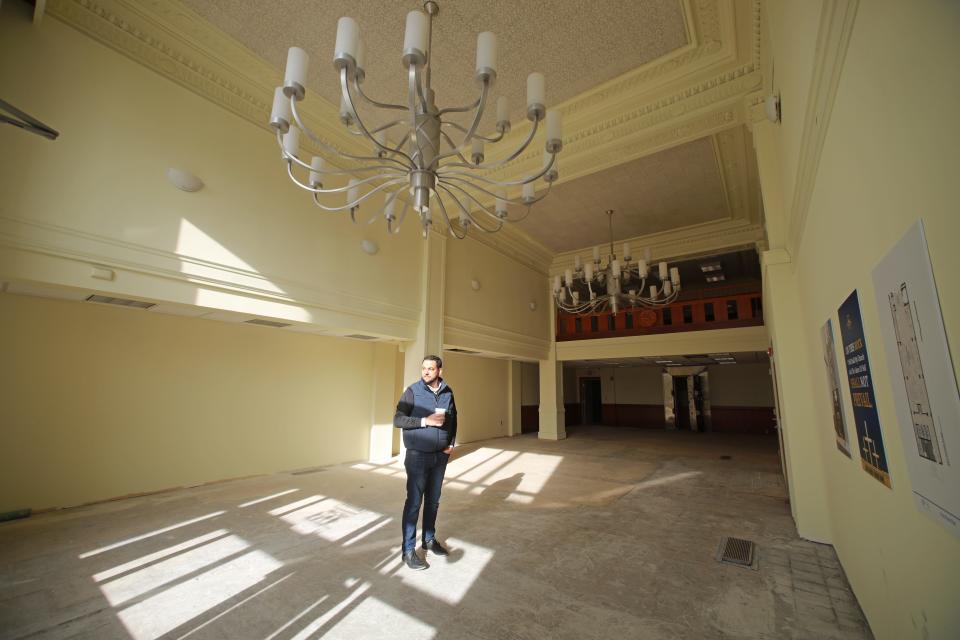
(658, 98)
(575, 44)
(675, 188)
(680, 360)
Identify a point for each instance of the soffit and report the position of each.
(576, 46)
(679, 360)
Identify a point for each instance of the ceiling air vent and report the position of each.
(121, 302)
(360, 336)
(266, 323)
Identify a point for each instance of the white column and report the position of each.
(514, 398)
(552, 414)
(429, 340)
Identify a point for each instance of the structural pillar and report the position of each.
(429, 337)
(515, 387)
(552, 413)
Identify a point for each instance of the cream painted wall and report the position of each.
(530, 383)
(481, 388)
(741, 385)
(99, 193)
(631, 385)
(98, 402)
(498, 314)
(889, 158)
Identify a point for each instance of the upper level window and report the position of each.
(732, 313)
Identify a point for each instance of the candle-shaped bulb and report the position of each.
(556, 283)
(416, 37)
(626, 251)
(486, 55)
(576, 263)
(347, 43)
(664, 271)
(588, 271)
(536, 92)
(280, 114)
(596, 254)
(353, 193)
(615, 266)
(295, 75)
(642, 268)
(503, 109)
(554, 133)
(568, 277)
(476, 150)
(291, 142)
(317, 165)
(675, 275)
(389, 206)
(653, 292)
(501, 207)
(667, 288)
(529, 192)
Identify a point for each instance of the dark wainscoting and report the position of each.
(529, 418)
(742, 419)
(644, 416)
(572, 411)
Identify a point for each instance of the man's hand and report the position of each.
(435, 420)
(448, 450)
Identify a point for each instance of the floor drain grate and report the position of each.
(738, 551)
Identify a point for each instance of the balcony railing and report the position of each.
(724, 309)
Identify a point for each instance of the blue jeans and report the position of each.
(424, 477)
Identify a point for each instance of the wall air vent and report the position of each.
(456, 350)
(266, 323)
(360, 336)
(121, 302)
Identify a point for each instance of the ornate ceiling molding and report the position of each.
(170, 39)
(699, 90)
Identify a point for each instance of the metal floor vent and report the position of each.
(267, 323)
(122, 302)
(738, 551)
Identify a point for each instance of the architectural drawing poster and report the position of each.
(921, 375)
(833, 382)
(873, 457)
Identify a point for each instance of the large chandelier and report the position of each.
(595, 287)
(440, 172)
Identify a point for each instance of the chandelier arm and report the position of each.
(516, 152)
(505, 183)
(491, 140)
(473, 127)
(464, 109)
(446, 179)
(446, 187)
(474, 221)
(329, 149)
(382, 127)
(371, 101)
(349, 205)
(344, 188)
(337, 172)
(345, 88)
(453, 145)
(446, 218)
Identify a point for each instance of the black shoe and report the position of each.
(412, 560)
(433, 546)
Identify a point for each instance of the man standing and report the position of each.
(428, 416)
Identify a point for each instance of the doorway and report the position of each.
(681, 402)
(591, 405)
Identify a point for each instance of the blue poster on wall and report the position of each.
(873, 458)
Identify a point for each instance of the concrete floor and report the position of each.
(611, 533)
